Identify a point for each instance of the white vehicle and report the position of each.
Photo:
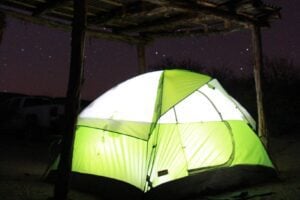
(32, 112)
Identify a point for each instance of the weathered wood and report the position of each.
(258, 65)
(73, 99)
(47, 6)
(2, 24)
(19, 6)
(95, 33)
(135, 17)
(141, 58)
(212, 11)
(59, 16)
(119, 13)
(194, 33)
(160, 24)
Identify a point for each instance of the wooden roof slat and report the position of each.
(117, 13)
(191, 13)
(95, 33)
(128, 18)
(18, 5)
(191, 33)
(159, 24)
(194, 7)
(134, 19)
(47, 6)
(60, 16)
(96, 9)
(113, 2)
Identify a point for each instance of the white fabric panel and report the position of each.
(194, 108)
(204, 105)
(246, 116)
(168, 117)
(224, 105)
(118, 103)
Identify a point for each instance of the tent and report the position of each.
(171, 131)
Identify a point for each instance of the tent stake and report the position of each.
(73, 99)
(258, 65)
(141, 58)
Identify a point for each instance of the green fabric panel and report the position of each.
(178, 84)
(135, 129)
(206, 144)
(248, 147)
(172, 149)
(111, 155)
(169, 155)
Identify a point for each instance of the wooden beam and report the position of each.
(91, 32)
(59, 16)
(192, 13)
(28, 8)
(159, 24)
(47, 6)
(18, 4)
(95, 33)
(141, 58)
(193, 6)
(258, 65)
(118, 13)
(2, 24)
(73, 100)
(191, 33)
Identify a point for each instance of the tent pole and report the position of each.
(258, 66)
(73, 99)
(141, 58)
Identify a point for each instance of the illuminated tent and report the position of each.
(163, 127)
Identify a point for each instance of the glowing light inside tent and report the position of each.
(127, 101)
(223, 104)
(206, 104)
(203, 127)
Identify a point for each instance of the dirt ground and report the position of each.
(23, 162)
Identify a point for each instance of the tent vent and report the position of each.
(162, 172)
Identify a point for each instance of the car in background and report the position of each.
(31, 114)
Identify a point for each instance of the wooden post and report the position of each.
(141, 57)
(2, 24)
(73, 99)
(258, 65)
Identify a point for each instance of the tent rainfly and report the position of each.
(165, 128)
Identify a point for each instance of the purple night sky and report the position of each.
(35, 59)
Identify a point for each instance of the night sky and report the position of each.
(35, 59)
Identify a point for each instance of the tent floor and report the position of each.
(206, 183)
(213, 182)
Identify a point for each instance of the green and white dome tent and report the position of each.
(164, 126)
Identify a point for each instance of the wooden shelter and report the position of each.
(139, 22)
